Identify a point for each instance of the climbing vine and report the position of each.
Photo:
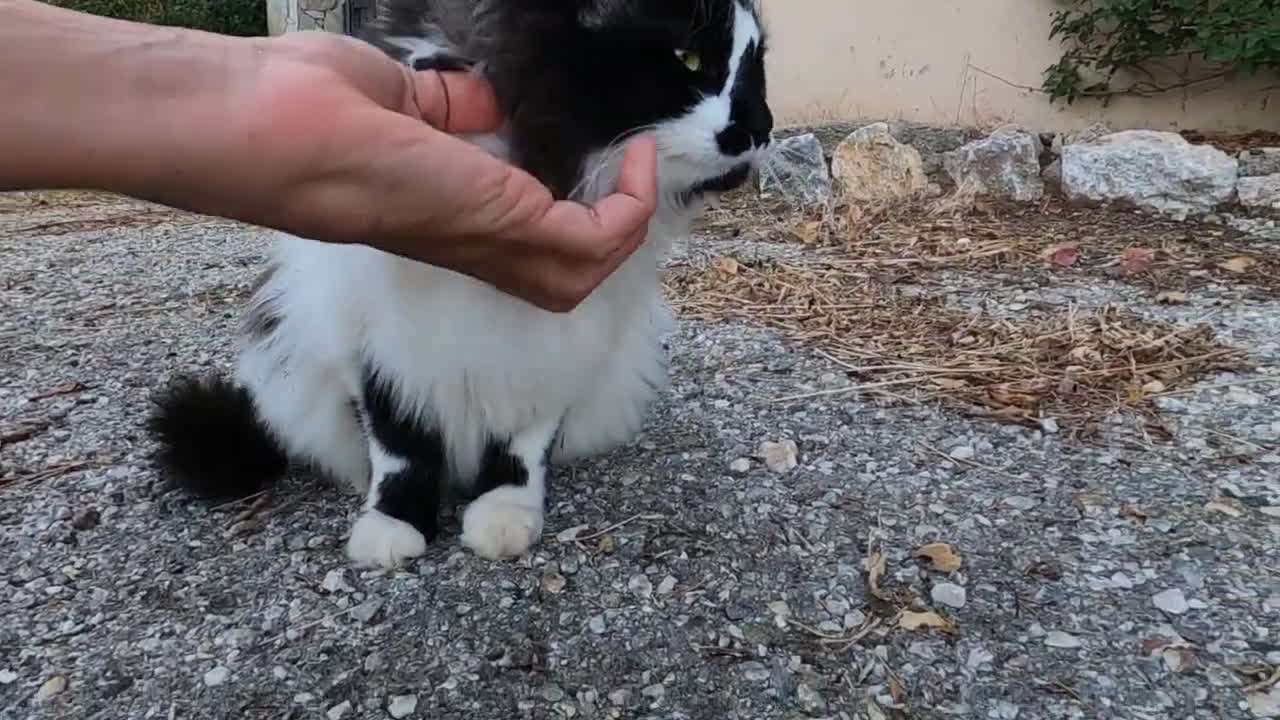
(1147, 47)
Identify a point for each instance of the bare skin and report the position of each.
(311, 133)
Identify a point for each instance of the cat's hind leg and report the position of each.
(407, 457)
(507, 518)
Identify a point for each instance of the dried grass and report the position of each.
(1072, 365)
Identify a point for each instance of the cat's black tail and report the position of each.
(211, 441)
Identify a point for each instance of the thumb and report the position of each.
(454, 102)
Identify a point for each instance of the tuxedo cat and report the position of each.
(406, 381)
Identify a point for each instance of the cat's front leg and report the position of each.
(507, 518)
(402, 508)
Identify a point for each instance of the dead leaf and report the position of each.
(1171, 297)
(1238, 264)
(725, 265)
(941, 557)
(1134, 512)
(875, 566)
(607, 545)
(1137, 260)
(913, 620)
(809, 232)
(1062, 255)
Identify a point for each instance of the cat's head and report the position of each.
(576, 77)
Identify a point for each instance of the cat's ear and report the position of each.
(598, 14)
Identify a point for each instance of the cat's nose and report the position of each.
(749, 126)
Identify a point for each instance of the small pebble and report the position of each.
(51, 688)
(740, 466)
(365, 611)
(1171, 601)
(596, 624)
(339, 711)
(667, 585)
(1059, 639)
(780, 457)
(402, 706)
(7, 676)
(217, 676)
(964, 452)
(948, 594)
(1021, 502)
(336, 581)
(552, 693)
(553, 582)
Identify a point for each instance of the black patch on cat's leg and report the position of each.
(411, 491)
(498, 466)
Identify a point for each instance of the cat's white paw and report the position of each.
(503, 523)
(377, 539)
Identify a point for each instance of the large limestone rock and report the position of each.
(796, 169)
(1260, 193)
(1260, 161)
(1005, 164)
(1072, 137)
(873, 167)
(1149, 169)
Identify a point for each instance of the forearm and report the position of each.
(91, 102)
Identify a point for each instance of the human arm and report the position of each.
(311, 133)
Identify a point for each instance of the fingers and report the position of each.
(598, 232)
(456, 102)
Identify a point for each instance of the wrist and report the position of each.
(108, 104)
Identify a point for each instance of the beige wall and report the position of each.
(923, 60)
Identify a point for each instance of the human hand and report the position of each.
(354, 147)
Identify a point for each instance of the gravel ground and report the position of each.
(1122, 578)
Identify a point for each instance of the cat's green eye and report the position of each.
(690, 59)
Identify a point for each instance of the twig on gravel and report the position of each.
(971, 463)
(1264, 684)
(615, 526)
(232, 503)
(47, 473)
(844, 641)
(22, 432)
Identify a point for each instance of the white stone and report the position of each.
(963, 452)
(640, 585)
(1059, 639)
(339, 711)
(1171, 601)
(873, 167)
(948, 594)
(1262, 192)
(217, 676)
(667, 585)
(796, 169)
(1004, 164)
(402, 706)
(780, 457)
(1153, 170)
(7, 676)
(51, 688)
(740, 466)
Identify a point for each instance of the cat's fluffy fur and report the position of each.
(402, 379)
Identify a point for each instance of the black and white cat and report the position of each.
(404, 380)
